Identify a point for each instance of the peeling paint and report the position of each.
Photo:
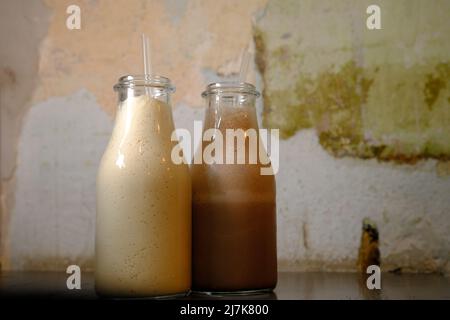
(369, 252)
(435, 82)
(186, 37)
(365, 98)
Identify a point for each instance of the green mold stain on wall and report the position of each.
(337, 99)
(435, 82)
(365, 98)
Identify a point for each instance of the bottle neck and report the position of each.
(159, 94)
(155, 87)
(143, 109)
(230, 111)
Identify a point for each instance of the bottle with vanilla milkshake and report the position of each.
(143, 227)
(234, 209)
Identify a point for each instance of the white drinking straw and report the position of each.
(146, 55)
(245, 61)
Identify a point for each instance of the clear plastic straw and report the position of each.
(146, 55)
(147, 60)
(245, 61)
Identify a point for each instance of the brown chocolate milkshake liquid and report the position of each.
(234, 211)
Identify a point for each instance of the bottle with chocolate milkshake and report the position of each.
(143, 227)
(234, 210)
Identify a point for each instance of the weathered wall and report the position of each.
(381, 94)
(65, 79)
(369, 93)
(338, 92)
(23, 25)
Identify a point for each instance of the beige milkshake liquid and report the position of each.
(143, 238)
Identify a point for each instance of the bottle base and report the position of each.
(233, 293)
(171, 296)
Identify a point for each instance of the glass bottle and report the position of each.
(234, 209)
(143, 227)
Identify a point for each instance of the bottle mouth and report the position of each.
(230, 88)
(131, 81)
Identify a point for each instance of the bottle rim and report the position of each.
(153, 81)
(228, 87)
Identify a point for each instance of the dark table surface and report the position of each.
(291, 285)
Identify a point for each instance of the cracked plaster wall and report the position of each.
(57, 107)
